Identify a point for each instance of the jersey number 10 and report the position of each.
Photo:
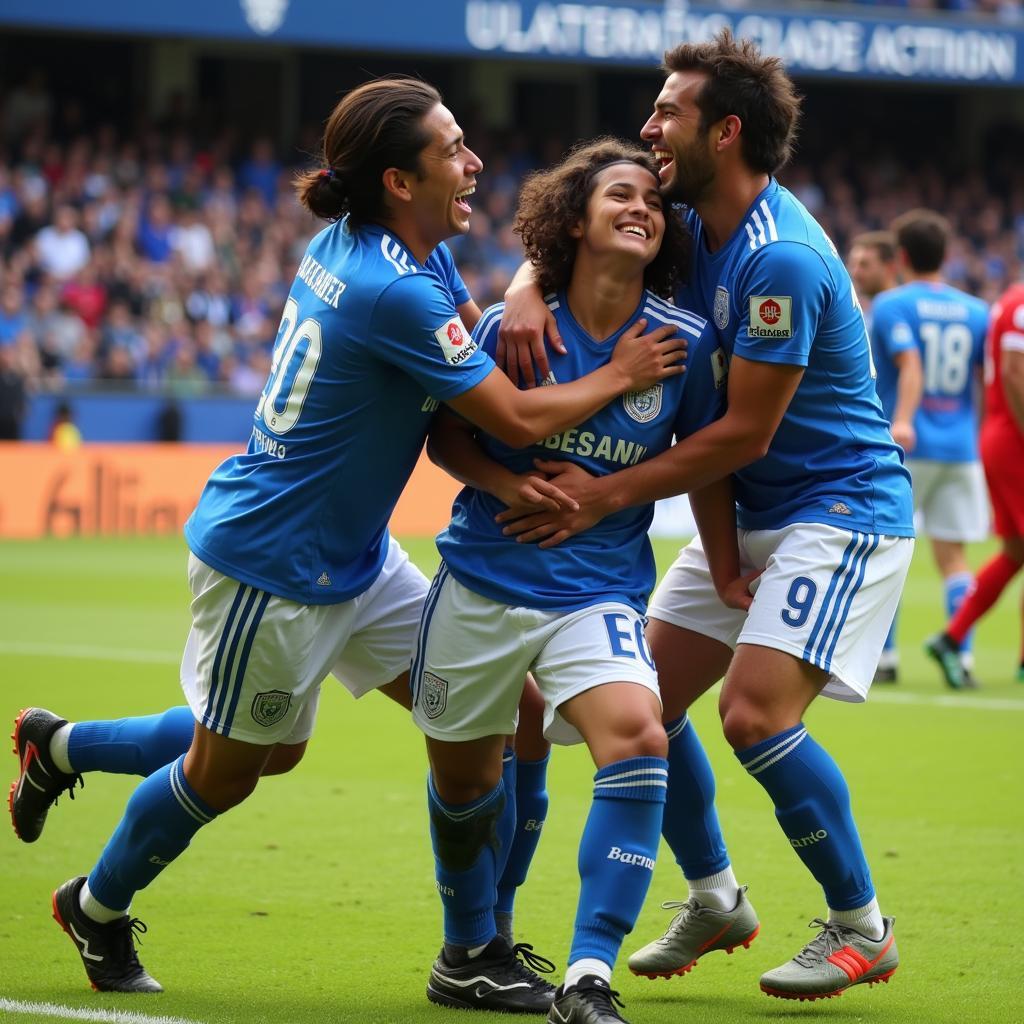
(291, 371)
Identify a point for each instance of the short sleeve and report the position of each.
(704, 385)
(442, 263)
(485, 334)
(782, 296)
(891, 330)
(416, 327)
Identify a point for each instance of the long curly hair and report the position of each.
(553, 201)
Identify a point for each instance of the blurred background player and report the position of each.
(1002, 454)
(872, 265)
(947, 328)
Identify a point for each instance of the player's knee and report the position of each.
(745, 722)
(458, 843)
(635, 735)
(284, 758)
(223, 793)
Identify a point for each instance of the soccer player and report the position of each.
(1002, 454)
(946, 329)
(824, 509)
(292, 570)
(872, 266)
(595, 231)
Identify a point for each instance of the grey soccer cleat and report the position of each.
(945, 652)
(832, 962)
(693, 932)
(39, 780)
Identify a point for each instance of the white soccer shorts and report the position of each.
(473, 655)
(826, 596)
(951, 499)
(253, 662)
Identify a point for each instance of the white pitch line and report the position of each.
(133, 654)
(74, 1013)
(947, 700)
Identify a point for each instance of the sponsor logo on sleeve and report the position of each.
(456, 342)
(771, 316)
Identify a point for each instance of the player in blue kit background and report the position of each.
(946, 327)
(823, 506)
(593, 227)
(293, 572)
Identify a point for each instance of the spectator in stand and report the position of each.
(155, 230)
(261, 171)
(12, 394)
(61, 248)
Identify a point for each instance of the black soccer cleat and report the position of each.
(590, 1001)
(945, 652)
(107, 950)
(40, 781)
(497, 979)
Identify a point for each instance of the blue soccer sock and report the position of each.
(131, 746)
(691, 826)
(162, 816)
(531, 809)
(812, 804)
(469, 843)
(617, 852)
(957, 587)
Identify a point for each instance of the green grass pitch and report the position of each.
(315, 901)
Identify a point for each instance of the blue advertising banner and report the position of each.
(844, 43)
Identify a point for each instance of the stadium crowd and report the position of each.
(156, 262)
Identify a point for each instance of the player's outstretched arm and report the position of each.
(758, 396)
(525, 322)
(520, 418)
(453, 445)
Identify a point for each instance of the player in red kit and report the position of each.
(1002, 453)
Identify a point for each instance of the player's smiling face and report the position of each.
(624, 214)
(682, 149)
(448, 172)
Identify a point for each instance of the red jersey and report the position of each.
(1005, 333)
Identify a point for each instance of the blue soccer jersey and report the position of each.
(612, 561)
(948, 327)
(779, 293)
(369, 342)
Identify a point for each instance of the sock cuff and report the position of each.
(508, 754)
(763, 755)
(675, 728)
(459, 812)
(958, 580)
(635, 778)
(188, 799)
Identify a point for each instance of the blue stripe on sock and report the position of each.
(849, 600)
(187, 796)
(819, 622)
(421, 644)
(215, 674)
(232, 651)
(243, 660)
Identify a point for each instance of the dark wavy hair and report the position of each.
(553, 201)
(741, 81)
(923, 235)
(375, 126)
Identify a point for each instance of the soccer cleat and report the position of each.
(497, 979)
(970, 679)
(40, 781)
(107, 950)
(590, 1001)
(946, 653)
(694, 931)
(889, 674)
(832, 962)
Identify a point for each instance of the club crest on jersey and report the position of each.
(270, 707)
(719, 367)
(643, 406)
(771, 316)
(456, 342)
(721, 310)
(434, 697)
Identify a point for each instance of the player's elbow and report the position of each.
(517, 432)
